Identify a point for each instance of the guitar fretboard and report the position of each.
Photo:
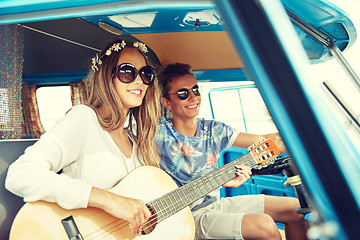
(179, 198)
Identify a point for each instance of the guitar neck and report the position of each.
(182, 197)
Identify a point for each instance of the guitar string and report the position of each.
(107, 231)
(149, 224)
(153, 221)
(109, 234)
(152, 224)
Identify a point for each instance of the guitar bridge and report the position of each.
(71, 229)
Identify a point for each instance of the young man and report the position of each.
(190, 147)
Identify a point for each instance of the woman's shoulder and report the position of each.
(77, 117)
(82, 110)
(77, 123)
(82, 107)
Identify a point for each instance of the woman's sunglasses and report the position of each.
(184, 92)
(127, 73)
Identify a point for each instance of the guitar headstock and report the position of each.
(264, 151)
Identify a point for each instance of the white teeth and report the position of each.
(193, 106)
(135, 91)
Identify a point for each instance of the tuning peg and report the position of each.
(255, 144)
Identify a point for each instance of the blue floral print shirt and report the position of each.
(187, 158)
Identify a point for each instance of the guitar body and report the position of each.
(42, 220)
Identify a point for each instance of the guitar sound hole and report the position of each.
(150, 225)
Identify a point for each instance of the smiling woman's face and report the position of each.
(131, 94)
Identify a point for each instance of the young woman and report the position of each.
(96, 144)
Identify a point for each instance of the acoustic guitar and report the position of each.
(171, 216)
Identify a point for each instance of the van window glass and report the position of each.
(239, 105)
(53, 103)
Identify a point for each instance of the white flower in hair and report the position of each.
(94, 68)
(108, 52)
(115, 47)
(141, 46)
(95, 60)
(123, 44)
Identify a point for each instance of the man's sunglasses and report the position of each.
(127, 73)
(184, 92)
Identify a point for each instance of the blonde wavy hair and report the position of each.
(142, 120)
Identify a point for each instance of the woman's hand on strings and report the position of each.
(132, 210)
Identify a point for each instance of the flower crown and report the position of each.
(115, 47)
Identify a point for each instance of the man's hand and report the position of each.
(242, 175)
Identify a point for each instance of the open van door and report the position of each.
(323, 153)
(270, 43)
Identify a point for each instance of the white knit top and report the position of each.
(84, 151)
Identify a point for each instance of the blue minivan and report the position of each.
(263, 65)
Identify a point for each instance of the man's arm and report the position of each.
(244, 140)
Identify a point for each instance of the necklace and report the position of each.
(124, 158)
(126, 142)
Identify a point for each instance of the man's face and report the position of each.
(187, 108)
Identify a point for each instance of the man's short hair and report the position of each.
(171, 71)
